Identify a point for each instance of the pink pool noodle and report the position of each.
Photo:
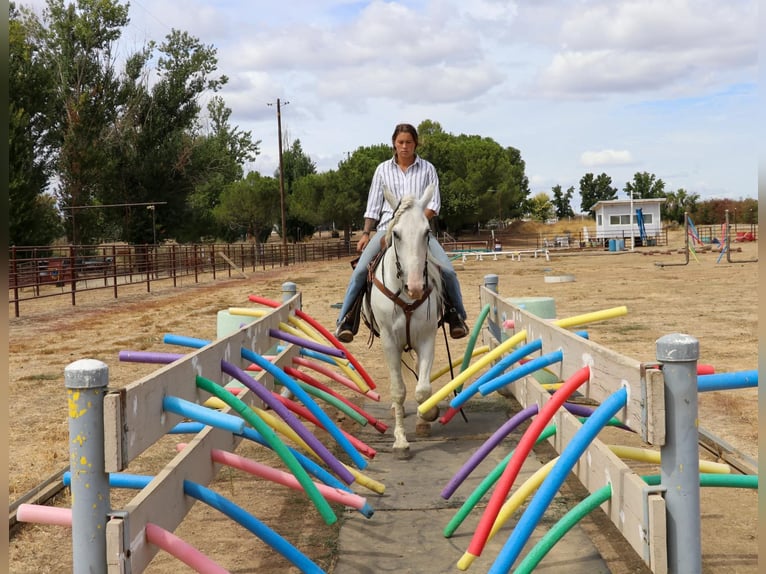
(185, 552)
(524, 447)
(325, 333)
(284, 478)
(156, 535)
(44, 514)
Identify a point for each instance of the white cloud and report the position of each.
(672, 81)
(606, 157)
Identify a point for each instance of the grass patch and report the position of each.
(42, 377)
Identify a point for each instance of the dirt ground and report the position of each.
(716, 302)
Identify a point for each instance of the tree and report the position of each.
(33, 219)
(562, 201)
(295, 165)
(540, 207)
(217, 160)
(595, 189)
(249, 207)
(75, 45)
(678, 202)
(644, 186)
(478, 179)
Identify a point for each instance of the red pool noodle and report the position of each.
(335, 376)
(524, 447)
(303, 412)
(380, 426)
(329, 336)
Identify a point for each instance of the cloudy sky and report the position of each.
(663, 86)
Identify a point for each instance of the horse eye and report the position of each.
(396, 235)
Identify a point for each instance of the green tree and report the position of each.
(678, 202)
(644, 186)
(296, 164)
(540, 207)
(562, 201)
(76, 45)
(595, 189)
(249, 207)
(478, 178)
(217, 160)
(33, 219)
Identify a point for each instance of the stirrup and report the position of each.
(344, 333)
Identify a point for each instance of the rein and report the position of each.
(407, 308)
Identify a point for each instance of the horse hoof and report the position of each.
(431, 415)
(402, 452)
(423, 429)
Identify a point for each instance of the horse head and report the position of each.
(408, 236)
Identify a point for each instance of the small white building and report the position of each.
(614, 221)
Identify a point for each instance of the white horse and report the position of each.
(404, 305)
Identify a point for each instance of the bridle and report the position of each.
(407, 308)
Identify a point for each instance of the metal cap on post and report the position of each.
(86, 382)
(491, 281)
(289, 289)
(678, 354)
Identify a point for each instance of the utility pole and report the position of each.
(281, 181)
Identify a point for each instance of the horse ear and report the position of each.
(427, 195)
(389, 196)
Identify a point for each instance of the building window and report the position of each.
(619, 219)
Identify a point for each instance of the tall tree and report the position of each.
(595, 189)
(644, 186)
(77, 46)
(217, 160)
(295, 165)
(562, 201)
(33, 219)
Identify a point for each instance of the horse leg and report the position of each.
(401, 448)
(423, 389)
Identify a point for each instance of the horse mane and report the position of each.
(407, 202)
(434, 273)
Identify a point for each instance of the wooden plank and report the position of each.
(40, 494)
(133, 416)
(232, 264)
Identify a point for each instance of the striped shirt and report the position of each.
(413, 181)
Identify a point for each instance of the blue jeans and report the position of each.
(359, 276)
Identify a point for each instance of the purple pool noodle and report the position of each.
(265, 395)
(301, 342)
(485, 449)
(149, 357)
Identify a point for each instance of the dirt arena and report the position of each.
(716, 302)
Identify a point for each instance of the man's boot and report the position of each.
(457, 327)
(349, 325)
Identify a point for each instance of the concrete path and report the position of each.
(405, 535)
